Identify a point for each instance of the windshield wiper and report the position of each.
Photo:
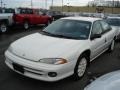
(63, 36)
(59, 35)
(47, 33)
(68, 37)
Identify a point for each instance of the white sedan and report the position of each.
(115, 23)
(110, 81)
(64, 48)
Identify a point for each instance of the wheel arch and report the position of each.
(26, 19)
(115, 38)
(86, 53)
(4, 21)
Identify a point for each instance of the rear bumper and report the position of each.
(37, 70)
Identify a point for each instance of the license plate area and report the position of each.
(18, 68)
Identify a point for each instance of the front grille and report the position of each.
(20, 68)
(39, 72)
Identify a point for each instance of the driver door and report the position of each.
(97, 44)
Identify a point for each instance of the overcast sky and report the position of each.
(41, 3)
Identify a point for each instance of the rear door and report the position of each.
(28, 15)
(97, 45)
(33, 16)
(108, 33)
(43, 17)
(37, 16)
(40, 17)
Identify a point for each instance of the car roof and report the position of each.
(110, 81)
(90, 19)
(113, 17)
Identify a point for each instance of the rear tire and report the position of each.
(26, 25)
(112, 45)
(48, 22)
(3, 27)
(80, 68)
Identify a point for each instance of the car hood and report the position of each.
(37, 46)
(5, 15)
(110, 81)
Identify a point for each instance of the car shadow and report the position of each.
(17, 29)
(64, 84)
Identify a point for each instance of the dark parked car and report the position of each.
(56, 14)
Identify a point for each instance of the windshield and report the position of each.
(73, 29)
(9, 11)
(24, 11)
(113, 22)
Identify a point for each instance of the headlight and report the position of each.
(10, 49)
(55, 61)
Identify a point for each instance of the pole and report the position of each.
(62, 5)
(68, 6)
(31, 4)
(112, 6)
(52, 6)
(1, 3)
(4, 5)
(46, 3)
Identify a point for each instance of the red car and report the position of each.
(27, 17)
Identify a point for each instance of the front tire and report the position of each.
(3, 27)
(26, 25)
(80, 68)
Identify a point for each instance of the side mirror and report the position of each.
(109, 28)
(95, 36)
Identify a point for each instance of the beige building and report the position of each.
(86, 9)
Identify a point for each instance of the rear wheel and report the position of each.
(26, 25)
(80, 68)
(112, 46)
(3, 27)
(48, 22)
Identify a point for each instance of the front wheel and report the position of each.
(80, 68)
(3, 27)
(26, 25)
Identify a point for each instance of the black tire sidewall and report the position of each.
(110, 50)
(76, 76)
(24, 25)
(5, 25)
(48, 22)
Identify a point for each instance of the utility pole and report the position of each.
(62, 5)
(46, 4)
(112, 6)
(1, 3)
(68, 6)
(31, 4)
(52, 6)
(4, 5)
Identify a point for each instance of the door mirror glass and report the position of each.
(95, 36)
(109, 28)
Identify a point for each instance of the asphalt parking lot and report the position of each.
(10, 80)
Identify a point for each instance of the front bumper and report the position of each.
(38, 70)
